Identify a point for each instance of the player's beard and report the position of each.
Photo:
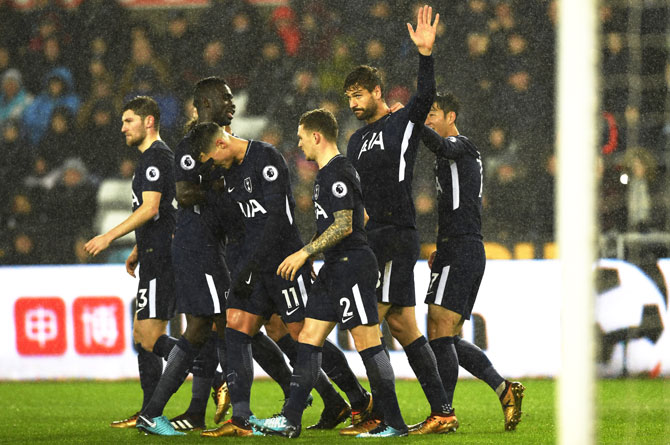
(367, 112)
(136, 140)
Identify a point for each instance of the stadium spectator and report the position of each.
(60, 142)
(332, 69)
(58, 92)
(73, 194)
(179, 45)
(643, 212)
(6, 59)
(50, 57)
(505, 217)
(26, 224)
(500, 148)
(304, 95)
(14, 98)
(241, 37)
(98, 66)
(24, 249)
(100, 141)
(284, 23)
(144, 67)
(17, 156)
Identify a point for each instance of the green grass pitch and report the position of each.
(634, 411)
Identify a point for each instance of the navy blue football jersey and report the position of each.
(261, 187)
(384, 153)
(458, 178)
(338, 187)
(203, 225)
(155, 173)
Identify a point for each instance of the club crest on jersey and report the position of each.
(270, 173)
(187, 162)
(339, 189)
(316, 192)
(247, 184)
(153, 173)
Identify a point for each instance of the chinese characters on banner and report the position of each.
(41, 325)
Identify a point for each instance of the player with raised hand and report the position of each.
(384, 153)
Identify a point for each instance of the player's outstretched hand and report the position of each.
(96, 245)
(131, 262)
(291, 264)
(424, 35)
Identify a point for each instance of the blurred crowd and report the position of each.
(65, 73)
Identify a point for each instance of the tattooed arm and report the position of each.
(336, 232)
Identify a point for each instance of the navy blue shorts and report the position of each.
(201, 281)
(344, 291)
(397, 250)
(456, 274)
(274, 295)
(156, 289)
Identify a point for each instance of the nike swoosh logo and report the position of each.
(150, 423)
(230, 189)
(290, 312)
(344, 321)
(248, 281)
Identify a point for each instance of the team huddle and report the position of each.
(232, 260)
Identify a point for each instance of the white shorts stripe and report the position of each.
(213, 293)
(439, 294)
(303, 291)
(359, 304)
(152, 298)
(403, 148)
(455, 185)
(387, 281)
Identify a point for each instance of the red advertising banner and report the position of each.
(163, 3)
(98, 325)
(40, 326)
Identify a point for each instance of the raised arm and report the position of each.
(424, 35)
(424, 38)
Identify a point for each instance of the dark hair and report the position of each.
(448, 102)
(201, 138)
(320, 120)
(144, 106)
(205, 88)
(365, 76)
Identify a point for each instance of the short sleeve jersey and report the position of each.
(259, 185)
(205, 225)
(384, 153)
(458, 179)
(155, 173)
(338, 187)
